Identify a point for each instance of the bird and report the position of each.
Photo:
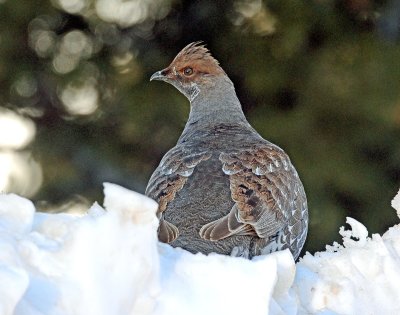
(223, 188)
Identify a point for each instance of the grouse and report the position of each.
(223, 188)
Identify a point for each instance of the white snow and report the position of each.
(396, 203)
(109, 261)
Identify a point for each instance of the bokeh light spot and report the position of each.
(73, 6)
(19, 173)
(16, 131)
(25, 86)
(80, 100)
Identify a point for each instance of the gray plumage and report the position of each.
(223, 188)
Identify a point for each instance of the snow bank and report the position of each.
(109, 262)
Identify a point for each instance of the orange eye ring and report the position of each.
(188, 71)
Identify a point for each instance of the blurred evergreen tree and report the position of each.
(319, 78)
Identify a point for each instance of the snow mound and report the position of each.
(359, 277)
(110, 262)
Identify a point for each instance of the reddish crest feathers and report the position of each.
(198, 56)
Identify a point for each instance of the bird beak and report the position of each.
(159, 75)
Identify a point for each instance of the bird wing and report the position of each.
(169, 178)
(264, 185)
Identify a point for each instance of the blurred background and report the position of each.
(319, 78)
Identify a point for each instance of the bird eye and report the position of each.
(188, 71)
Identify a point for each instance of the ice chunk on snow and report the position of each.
(103, 263)
(128, 202)
(361, 277)
(16, 213)
(14, 282)
(396, 203)
(216, 284)
(356, 236)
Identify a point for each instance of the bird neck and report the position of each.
(214, 105)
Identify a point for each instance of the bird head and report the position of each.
(191, 71)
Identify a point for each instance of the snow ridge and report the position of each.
(109, 261)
